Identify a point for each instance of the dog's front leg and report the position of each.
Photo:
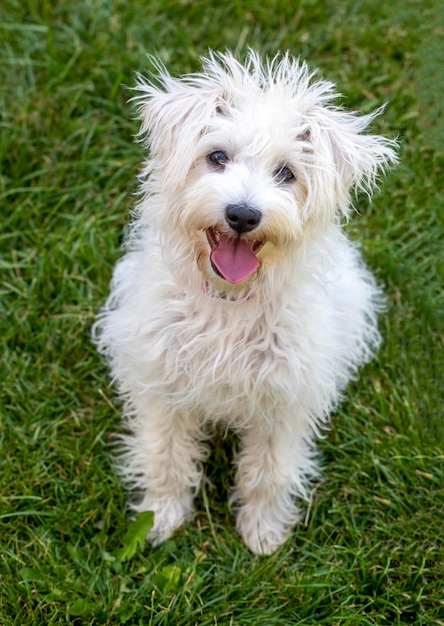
(162, 463)
(271, 469)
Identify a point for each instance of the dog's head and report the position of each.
(247, 158)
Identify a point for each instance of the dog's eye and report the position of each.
(284, 175)
(218, 158)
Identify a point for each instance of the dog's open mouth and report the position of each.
(233, 259)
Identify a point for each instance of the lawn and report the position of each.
(371, 551)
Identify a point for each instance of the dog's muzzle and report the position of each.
(233, 257)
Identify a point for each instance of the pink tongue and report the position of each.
(234, 259)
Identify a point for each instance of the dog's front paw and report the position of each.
(169, 515)
(263, 532)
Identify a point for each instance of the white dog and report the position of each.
(239, 300)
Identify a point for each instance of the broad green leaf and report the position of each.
(168, 578)
(31, 575)
(135, 536)
(80, 607)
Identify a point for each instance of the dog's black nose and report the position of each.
(242, 218)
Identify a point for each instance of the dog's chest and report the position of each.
(222, 362)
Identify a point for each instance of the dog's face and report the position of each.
(246, 189)
(246, 159)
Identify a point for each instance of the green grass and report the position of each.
(371, 552)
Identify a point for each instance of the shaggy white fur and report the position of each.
(239, 299)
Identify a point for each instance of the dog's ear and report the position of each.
(354, 160)
(175, 112)
(173, 115)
